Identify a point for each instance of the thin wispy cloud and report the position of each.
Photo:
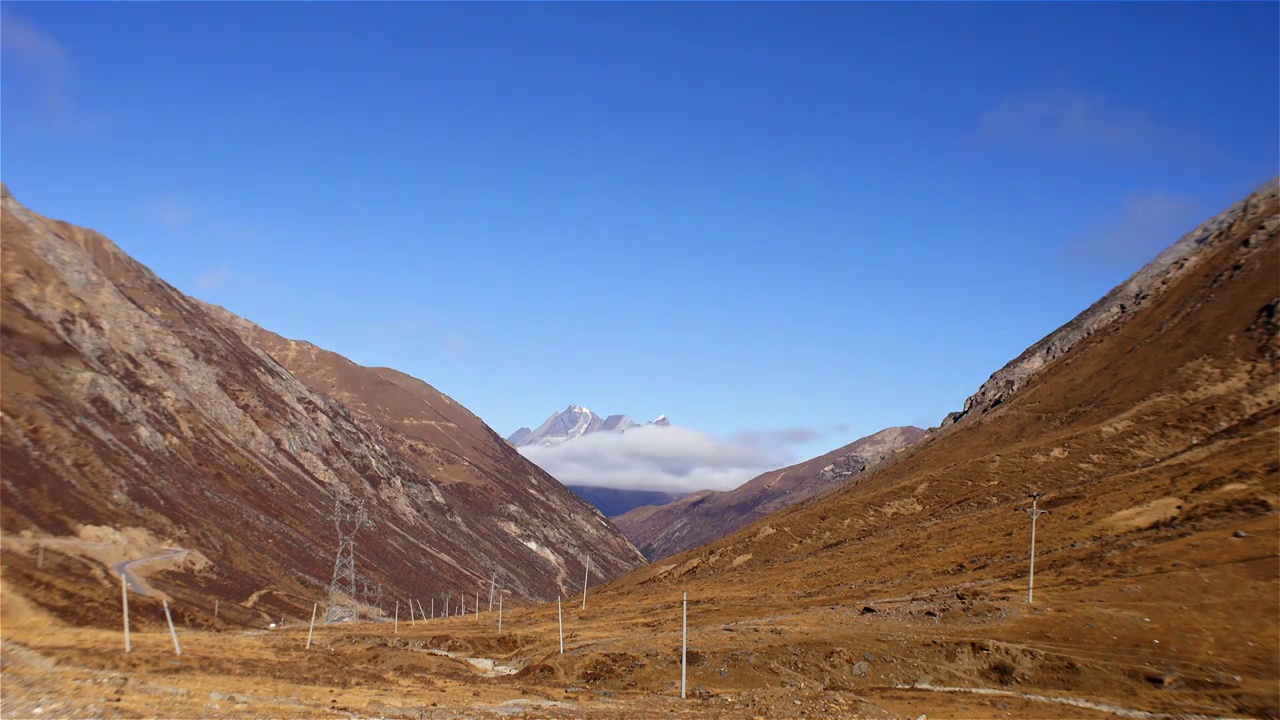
(454, 345)
(672, 459)
(42, 61)
(783, 437)
(171, 214)
(400, 329)
(1136, 231)
(214, 279)
(418, 333)
(1085, 121)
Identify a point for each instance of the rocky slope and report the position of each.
(130, 406)
(1154, 442)
(1144, 287)
(699, 518)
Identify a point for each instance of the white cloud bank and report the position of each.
(670, 459)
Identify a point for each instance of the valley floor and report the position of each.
(1164, 638)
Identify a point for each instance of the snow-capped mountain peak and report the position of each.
(574, 422)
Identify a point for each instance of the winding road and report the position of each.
(132, 580)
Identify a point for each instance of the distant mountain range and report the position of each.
(574, 422)
(707, 515)
(614, 502)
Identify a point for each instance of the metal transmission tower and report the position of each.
(1034, 512)
(348, 517)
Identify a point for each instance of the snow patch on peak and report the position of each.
(574, 422)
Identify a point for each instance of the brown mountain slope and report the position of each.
(1156, 441)
(135, 416)
(435, 434)
(699, 518)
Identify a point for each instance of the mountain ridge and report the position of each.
(1153, 444)
(1145, 285)
(130, 405)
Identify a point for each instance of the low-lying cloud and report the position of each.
(670, 459)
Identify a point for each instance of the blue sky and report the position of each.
(748, 217)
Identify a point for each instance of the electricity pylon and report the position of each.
(344, 603)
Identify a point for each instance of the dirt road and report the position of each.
(136, 585)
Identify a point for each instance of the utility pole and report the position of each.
(493, 581)
(684, 642)
(1034, 512)
(124, 599)
(586, 576)
(312, 629)
(560, 616)
(177, 649)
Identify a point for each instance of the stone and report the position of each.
(869, 657)
(1240, 534)
(218, 697)
(859, 669)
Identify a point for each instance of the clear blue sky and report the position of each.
(745, 216)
